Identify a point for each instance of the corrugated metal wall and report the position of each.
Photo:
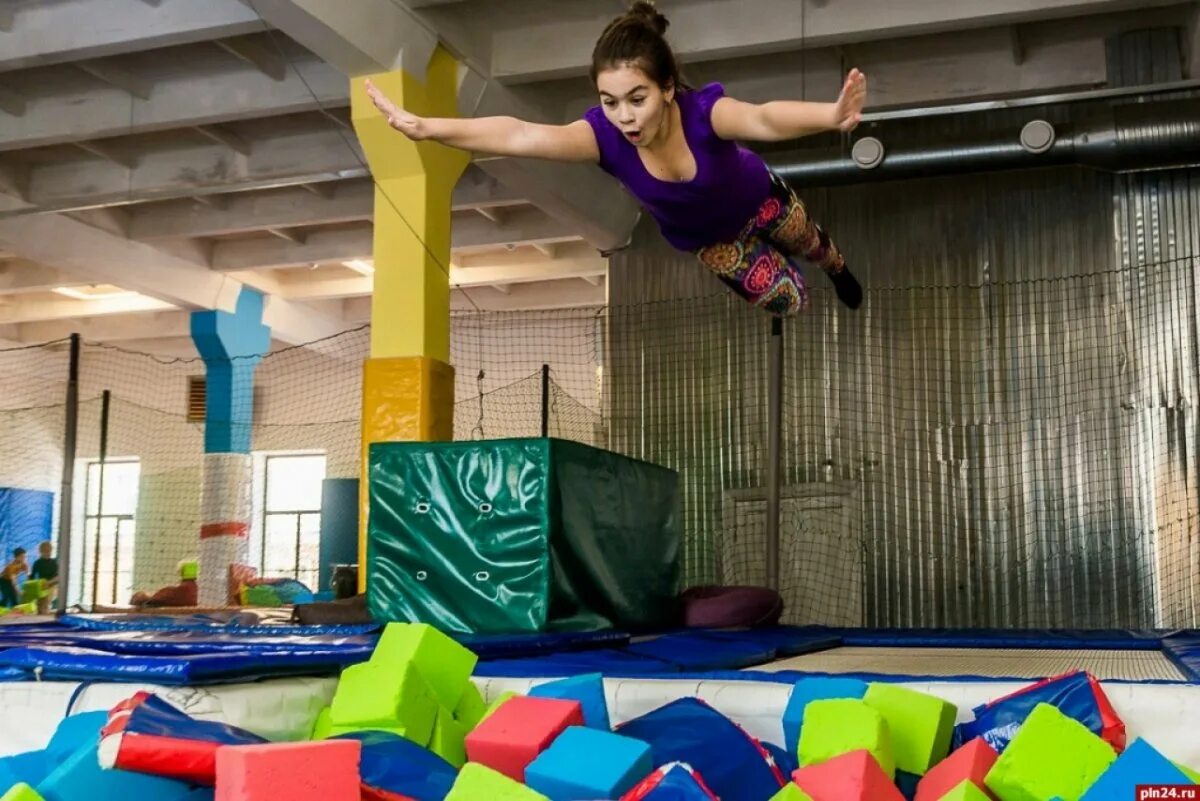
(1014, 400)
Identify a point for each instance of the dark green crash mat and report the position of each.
(521, 535)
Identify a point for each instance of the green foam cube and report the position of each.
(921, 725)
(967, 791)
(471, 707)
(370, 696)
(449, 738)
(840, 725)
(477, 783)
(21, 792)
(1051, 755)
(322, 728)
(1194, 775)
(445, 665)
(791, 792)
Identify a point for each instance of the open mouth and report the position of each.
(633, 136)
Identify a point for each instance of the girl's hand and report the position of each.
(405, 122)
(848, 113)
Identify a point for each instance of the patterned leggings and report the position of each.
(758, 264)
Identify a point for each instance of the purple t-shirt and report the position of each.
(731, 182)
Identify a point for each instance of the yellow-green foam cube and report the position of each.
(370, 696)
(1194, 775)
(921, 725)
(967, 791)
(322, 728)
(471, 707)
(445, 665)
(1052, 755)
(791, 792)
(449, 738)
(478, 783)
(21, 792)
(837, 726)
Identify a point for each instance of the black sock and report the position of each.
(847, 287)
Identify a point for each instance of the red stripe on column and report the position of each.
(224, 530)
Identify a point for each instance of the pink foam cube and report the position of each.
(970, 763)
(520, 729)
(854, 776)
(313, 771)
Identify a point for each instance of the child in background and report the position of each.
(8, 579)
(45, 568)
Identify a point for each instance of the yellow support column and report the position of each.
(408, 383)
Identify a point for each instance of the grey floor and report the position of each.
(995, 662)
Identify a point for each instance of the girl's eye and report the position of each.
(609, 104)
(637, 101)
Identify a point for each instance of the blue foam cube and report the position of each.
(815, 689)
(76, 731)
(30, 768)
(1140, 764)
(587, 689)
(82, 777)
(586, 763)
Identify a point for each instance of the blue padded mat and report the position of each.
(212, 649)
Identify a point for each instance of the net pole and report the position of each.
(105, 400)
(66, 493)
(774, 441)
(545, 401)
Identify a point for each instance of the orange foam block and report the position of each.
(305, 771)
(854, 776)
(970, 763)
(521, 728)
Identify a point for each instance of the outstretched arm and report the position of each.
(500, 136)
(789, 119)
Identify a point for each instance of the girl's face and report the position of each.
(634, 103)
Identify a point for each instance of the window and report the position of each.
(109, 530)
(291, 517)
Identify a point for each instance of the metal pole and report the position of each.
(545, 400)
(66, 493)
(105, 399)
(774, 440)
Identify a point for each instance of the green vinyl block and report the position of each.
(1051, 756)
(521, 535)
(921, 725)
(791, 792)
(471, 707)
(967, 791)
(445, 665)
(369, 696)
(449, 738)
(837, 726)
(1194, 775)
(478, 783)
(21, 792)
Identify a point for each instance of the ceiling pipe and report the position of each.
(1136, 136)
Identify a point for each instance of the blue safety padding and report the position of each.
(205, 623)
(607, 661)
(785, 641)
(1184, 650)
(694, 651)
(1113, 640)
(390, 762)
(81, 664)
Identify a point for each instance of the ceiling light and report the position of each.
(92, 292)
(361, 266)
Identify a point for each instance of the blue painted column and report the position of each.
(232, 345)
